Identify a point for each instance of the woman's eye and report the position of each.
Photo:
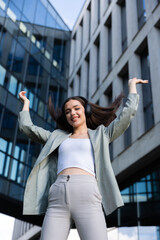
(77, 108)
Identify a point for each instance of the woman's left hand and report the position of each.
(132, 84)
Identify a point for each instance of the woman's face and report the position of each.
(75, 113)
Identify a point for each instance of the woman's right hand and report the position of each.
(24, 100)
(22, 96)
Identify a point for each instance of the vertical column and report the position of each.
(116, 33)
(76, 85)
(71, 65)
(103, 53)
(94, 15)
(92, 73)
(86, 29)
(84, 75)
(78, 43)
(118, 144)
(131, 19)
(138, 121)
(153, 42)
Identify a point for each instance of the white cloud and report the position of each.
(73, 235)
(6, 227)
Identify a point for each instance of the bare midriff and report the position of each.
(74, 171)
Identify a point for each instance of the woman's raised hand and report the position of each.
(132, 84)
(22, 96)
(24, 100)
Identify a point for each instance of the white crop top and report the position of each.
(76, 152)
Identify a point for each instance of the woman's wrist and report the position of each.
(132, 87)
(26, 105)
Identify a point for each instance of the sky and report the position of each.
(69, 11)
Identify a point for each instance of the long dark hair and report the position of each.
(100, 115)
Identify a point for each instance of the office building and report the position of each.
(111, 42)
(34, 53)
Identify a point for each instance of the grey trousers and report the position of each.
(74, 198)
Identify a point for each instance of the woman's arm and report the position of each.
(122, 122)
(34, 132)
(132, 84)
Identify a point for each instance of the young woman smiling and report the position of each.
(72, 179)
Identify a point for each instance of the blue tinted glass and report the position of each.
(18, 58)
(125, 191)
(2, 42)
(19, 89)
(13, 85)
(41, 108)
(29, 9)
(14, 170)
(141, 187)
(2, 74)
(23, 155)
(40, 14)
(51, 22)
(141, 197)
(35, 104)
(18, 3)
(21, 169)
(10, 55)
(14, 11)
(31, 98)
(7, 167)
(3, 145)
(16, 152)
(32, 66)
(9, 147)
(2, 160)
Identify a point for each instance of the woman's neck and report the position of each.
(80, 132)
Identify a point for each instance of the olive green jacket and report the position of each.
(44, 172)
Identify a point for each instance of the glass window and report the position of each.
(11, 53)
(2, 74)
(32, 66)
(41, 108)
(2, 161)
(40, 17)
(21, 176)
(147, 92)
(16, 152)
(128, 233)
(13, 12)
(7, 167)
(18, 58)
(22, 155)
(18, 3)
(50, 21)
(147, 233)
(3, 145)
(13, 85)
(3, 34)
(141, 9)
(14, 166)
(31, 98)
(29, 9)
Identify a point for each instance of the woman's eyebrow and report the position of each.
(72, 107)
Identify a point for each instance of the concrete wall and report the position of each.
(149, 32)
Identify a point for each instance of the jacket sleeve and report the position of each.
(37, 134)
(122, 122)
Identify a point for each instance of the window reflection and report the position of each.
(29, 11)
(13, 85)
(146, 189)
(40, 18)
(2, 74)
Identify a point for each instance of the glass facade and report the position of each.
(34, 56)
(139, 219)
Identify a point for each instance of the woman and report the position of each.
(73, 178)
